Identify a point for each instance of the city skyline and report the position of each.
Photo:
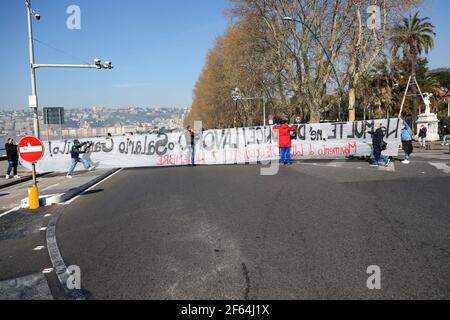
(95, 121)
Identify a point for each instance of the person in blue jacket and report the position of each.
(407, 137)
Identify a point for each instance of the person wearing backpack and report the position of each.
(407, 137)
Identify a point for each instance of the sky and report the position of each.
(158, 49)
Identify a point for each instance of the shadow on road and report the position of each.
(93, 191)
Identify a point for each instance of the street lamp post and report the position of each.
(264, 99)
(236, 96)
(327, 54)
(33, 100)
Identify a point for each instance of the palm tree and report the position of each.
(414, 35)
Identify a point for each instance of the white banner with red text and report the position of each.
(223, 146)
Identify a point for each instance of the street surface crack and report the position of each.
(247, 281)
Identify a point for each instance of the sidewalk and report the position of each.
(25, 175)
(436, 152)
(53, 188)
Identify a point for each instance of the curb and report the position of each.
(60, 198)
(57, 260)
(21, 180)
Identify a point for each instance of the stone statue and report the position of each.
(428, 119)
(426, 100)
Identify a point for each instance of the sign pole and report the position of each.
(33, 192)
(60, 124)
(32, 150)
(34, 175)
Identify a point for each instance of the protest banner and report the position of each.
(225, 146)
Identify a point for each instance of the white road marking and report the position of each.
(9, 211)
(48, 270)
(95, 185)
(441, 166)
(53, 185)
(390, 168)
(38, 248)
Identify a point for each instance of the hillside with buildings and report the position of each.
(95, 121)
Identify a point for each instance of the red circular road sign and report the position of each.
(31, 149)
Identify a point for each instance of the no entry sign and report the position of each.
(31, 149)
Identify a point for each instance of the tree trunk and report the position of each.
(351, 105)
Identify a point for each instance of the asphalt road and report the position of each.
(227, 232)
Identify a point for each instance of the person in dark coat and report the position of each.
(445, 134)
(378, 145)
(190, 138)
(423, 137)
(13, 158)
(284, 141)
(75, 152)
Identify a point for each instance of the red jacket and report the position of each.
(284, 135)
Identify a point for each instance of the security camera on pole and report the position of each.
(33, 100)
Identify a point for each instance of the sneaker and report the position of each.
(406, 161)
(7, 177)
(375, 165)
(69, 176)
(387, 163)
(16, 177)
(91, 168)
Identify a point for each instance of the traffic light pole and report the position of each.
(33, 100)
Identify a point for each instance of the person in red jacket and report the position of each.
(284, 141)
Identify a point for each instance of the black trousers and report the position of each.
(408, 147)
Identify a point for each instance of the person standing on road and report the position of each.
(423, 137)
(379, 145)
(284, 141)
(191, 138)
(13, 158)
(407, 137)
(445, 133)
(75, 156)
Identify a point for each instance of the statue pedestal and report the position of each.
(431, 122)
